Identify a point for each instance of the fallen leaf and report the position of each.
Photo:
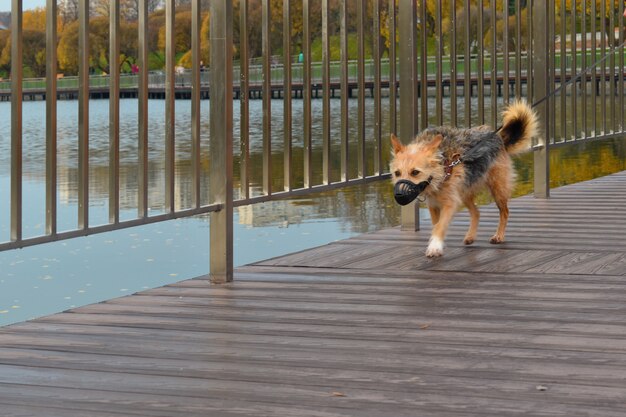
(337, 394)
(425, 326)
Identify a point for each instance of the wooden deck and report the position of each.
(363, 327)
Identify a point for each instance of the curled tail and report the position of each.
(519, 125)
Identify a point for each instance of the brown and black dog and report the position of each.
(452, 165)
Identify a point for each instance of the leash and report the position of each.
(406, 191)
(573, 80)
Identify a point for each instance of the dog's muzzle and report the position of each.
(406, 191)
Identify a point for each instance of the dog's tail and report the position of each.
(519, 125)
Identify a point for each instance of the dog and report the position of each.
(449, 166)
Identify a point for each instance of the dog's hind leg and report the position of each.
(504, 218)
(474, 218)
(500, 182)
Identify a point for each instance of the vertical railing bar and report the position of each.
(505, 52)
(408, 96)
(170, 104)
(540, 72)
(612, 92)
(83, 114)
(376, 52)
(244, 104)
(196, 21)
(453, 78)
(345, 126)
(267, 98)
(142, 46)
(423, 91)
(518, 49)
(287, 105)
(563, 75)
(552, 75)
(326, 95)
(529, 52)
(494, 66)
(306, 93)
(221, 128)
(573, 72)
(481, 64)
(594, 74)
(467, 66)
(583, 40)
(16, 119)
(51, 117)
(439, 60)
(360, 11)
(114, 112)
(393, 96)
(603, 67)
(621, 66)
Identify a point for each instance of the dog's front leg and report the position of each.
(434, 213)
(435, 246)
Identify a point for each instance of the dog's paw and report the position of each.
(495, 239)
(468, 240)
(435, 248)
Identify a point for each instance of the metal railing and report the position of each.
(460, 74)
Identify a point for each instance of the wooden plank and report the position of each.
(368, 326)
(307, 316)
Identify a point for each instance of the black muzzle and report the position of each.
(405, 191)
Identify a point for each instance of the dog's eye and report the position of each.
(397, 173)
(415, 173)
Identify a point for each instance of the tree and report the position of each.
(156, 21)
(205, 57)
(34, 53)
(34, 19)
(68, 10)
(128, 45)
(5, 52)
(67, 50)
(611, 8)
(182, 33)
(130, 8)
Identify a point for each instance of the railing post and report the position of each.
(221, 125)
(407, 14)
(541, 70)
(16, 119)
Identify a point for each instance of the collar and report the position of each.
(449, 164)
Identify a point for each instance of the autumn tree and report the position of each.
(67, 50)
(186, 59)
(68, 10)
(5, 62)
(34, 53)
(34, 19)
(182, 33)
(602, 21)
(130, 8)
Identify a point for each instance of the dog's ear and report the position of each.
(434, 144)
(396, 144)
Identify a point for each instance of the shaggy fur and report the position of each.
(485, 161)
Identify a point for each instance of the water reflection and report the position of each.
(49, 278)
(67, 131)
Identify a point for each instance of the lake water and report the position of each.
(53, 277)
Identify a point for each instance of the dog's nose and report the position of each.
(405, 191)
